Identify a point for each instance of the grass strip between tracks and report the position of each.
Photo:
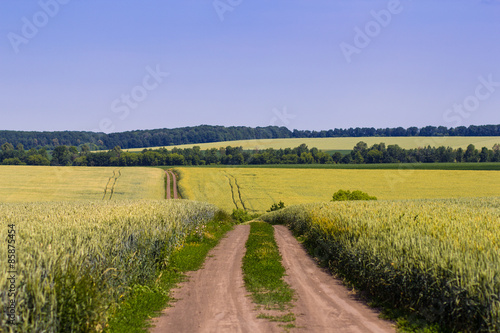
(263, 274)
(146, 301)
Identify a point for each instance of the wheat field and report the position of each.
(439, 258)
(256, 189)
(327, 144)
(48, 183)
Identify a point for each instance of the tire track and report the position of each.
(232, 191)
(111, 181)
(235, 199)
(174, 181)
(239, 192)
(167, 193)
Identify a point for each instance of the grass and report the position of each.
(340, 144)
(48, 183)
(258, 188)
(263, 274)
(146, 301)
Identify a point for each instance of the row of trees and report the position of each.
(360, 154)
(379, 153)
(206, 133)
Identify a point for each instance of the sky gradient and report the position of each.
(102, 65)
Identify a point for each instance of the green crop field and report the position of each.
(343, 144)
(75, 261)
(256, 189)
(40, 183)
(439, 258)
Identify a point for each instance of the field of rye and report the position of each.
(439, 258)
(75, 261)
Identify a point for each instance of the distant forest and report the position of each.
(207, 133)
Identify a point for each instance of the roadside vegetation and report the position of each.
(146, 301)
(79, 263)
(433, 259)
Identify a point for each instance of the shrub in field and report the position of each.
(439, 258)
(342, 195)
(76, 261)
(276, 206)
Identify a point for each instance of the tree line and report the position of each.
(360, 154)
(207, 133)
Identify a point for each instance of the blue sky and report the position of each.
(101, 65)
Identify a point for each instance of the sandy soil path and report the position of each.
(214, 299)
(324, 304)
(168, 184)
(174, 180)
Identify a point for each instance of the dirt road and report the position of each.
(174, 180)
(324, 304)
(171, 178)
(214, 299)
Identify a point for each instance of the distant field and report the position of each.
(374, 166)
(39, 183)
(342, 144)
(256, 189)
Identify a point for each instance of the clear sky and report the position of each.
(113, 66)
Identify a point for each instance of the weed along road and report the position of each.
(215, 300)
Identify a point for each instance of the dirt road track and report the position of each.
(214, 299)
(174, 180)
(324, 304)
(171, 178)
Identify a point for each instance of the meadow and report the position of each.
(74, 262)
(347, 143)
(48, 183)
(256, 189)
(438, 258)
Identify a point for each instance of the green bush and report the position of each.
(277, 206)
(342, 195)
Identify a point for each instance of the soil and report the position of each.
(174, 180)
(171, 178)
(215, 300)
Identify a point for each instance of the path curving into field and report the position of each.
(214, 299)
(324, 304)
